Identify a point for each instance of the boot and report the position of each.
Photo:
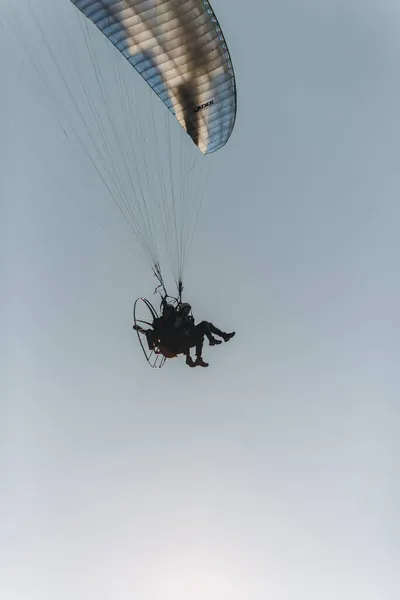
(228, 336)
(214, 341)
(199, 362)
(190, 362)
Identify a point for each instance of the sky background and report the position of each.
(273, 474)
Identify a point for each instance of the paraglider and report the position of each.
(178, 49)
(175, 332)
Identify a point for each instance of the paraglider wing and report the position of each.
(178, 48)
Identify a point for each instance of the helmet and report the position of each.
(185, 309)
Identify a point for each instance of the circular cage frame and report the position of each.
(154, 357)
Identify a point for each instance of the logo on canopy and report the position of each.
(204, 105)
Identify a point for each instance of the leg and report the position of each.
(199, 345)
(215, 330)
(199, 350)
(208, 329)
(189, 359)
(196, 339)
(203, 329)
(225, 336)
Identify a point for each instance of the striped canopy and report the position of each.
(177, 46)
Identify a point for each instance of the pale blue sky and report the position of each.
(274, 473)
